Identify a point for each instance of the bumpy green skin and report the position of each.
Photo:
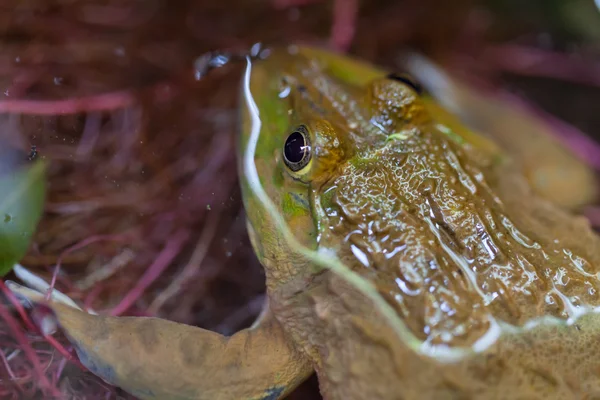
(553, 171)
(470, 299)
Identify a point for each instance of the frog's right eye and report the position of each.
(297, 149)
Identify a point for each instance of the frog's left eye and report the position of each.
(407, 80)
(297, 150)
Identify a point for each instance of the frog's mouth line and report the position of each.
(328, 260)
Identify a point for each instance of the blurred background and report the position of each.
(143, 211)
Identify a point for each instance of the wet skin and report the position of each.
(441, 224)
(407, 256)
(453, 241)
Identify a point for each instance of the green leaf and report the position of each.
(22, 192)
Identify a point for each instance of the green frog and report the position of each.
(410, 252)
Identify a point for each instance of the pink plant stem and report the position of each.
(91, 131)
(89, 299)
(581, 144)
(64, 352)
(59, 370)
(538, 62)
(100, 102)
(28, 350)
(161, 92)
(23, 81)
(9, 370)
(345, 13)
(78, 246)
(162, 261)
(17, 304)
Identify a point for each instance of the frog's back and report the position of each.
(455, 240)
(448, 233)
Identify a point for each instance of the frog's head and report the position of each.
(352, 163)
(302, 141)
(356, 163)
(320, 114)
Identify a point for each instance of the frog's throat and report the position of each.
(327, 260)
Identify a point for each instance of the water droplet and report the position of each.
(7, 218)
(360, 255)
(256, 49)
(32, 153)
(284, 92)
(207, 62)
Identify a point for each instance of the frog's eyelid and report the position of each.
(407, 80)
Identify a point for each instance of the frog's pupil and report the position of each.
(295, 147)
(296, 150)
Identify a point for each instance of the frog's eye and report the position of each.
(297, 149)
(407, 80)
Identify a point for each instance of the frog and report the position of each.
(407, 254)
